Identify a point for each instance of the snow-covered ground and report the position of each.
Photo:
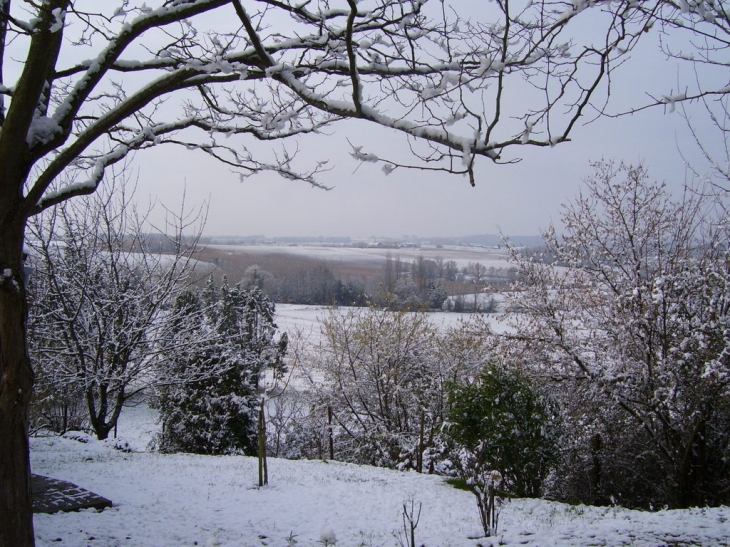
(185, 500)
(462, 256)
(293, 318)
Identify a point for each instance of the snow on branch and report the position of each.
(445, 81)
(671, 100)
(359, 155)
(87, 186)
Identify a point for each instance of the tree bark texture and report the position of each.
(16, 384)
(16, 374)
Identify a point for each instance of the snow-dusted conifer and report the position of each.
(216, 413)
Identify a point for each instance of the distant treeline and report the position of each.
(404, 285)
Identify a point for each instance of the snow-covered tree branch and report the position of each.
(86, 84)
(416, 69)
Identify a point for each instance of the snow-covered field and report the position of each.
(185, 500)
(293, 318)
(488, 257)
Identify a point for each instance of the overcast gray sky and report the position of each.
(517, 199)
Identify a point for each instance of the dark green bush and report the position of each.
(505, 425)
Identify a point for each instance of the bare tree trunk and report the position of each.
(596, 475)
(16, 384)
(421, 447)
(16, 374)
(329, 433)
(102, 421)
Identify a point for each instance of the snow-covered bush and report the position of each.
(78, 436)
(119, 444)
(485, 483)
(57, 410)
(383, 376)
(628, 328)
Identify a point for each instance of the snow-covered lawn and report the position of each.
(185, 500)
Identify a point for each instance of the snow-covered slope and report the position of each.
(185, 500)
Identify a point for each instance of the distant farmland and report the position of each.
(347, 263)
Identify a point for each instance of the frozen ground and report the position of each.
(185, 500)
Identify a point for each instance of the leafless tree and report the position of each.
(710, 130)
(99, 294)
(85, 84)
(695, 33)
(629, 329)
